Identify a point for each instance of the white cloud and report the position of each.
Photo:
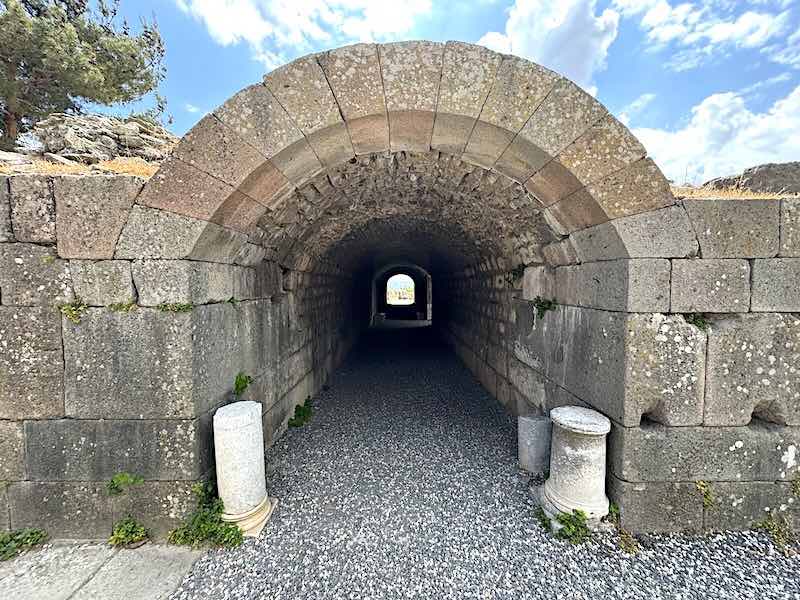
(711, 28)
(636, 107)
(566, 36)
(723, 137)
(278, 30)
(191, 108)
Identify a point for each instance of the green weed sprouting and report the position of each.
(205, 524)
(302, 414)
(13, 543)
(127, 531)
(73, 310)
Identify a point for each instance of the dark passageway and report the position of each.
(405, 484)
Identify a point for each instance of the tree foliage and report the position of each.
(57, 55)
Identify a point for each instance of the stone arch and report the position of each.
(423, 287)
(506, 182)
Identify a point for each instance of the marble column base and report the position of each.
(252, 522)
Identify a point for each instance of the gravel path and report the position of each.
(405, 485)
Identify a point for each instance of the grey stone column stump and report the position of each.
(577, 464)
(533, 440)
(241, 476)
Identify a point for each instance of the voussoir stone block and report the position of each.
(31, 275)
(638, 188)
(753, 370)
(256, 116)
(663, 233)
(183, 189)
(90, 450)
(775, 285)
(411, 74)
(560, 253)
(758, 452)
(215, 149)
(180, 281)
(790, 226)
(354, 75)
(104, 282)
(604, 148)
(468, 73)
(562, 116)
(736, 228)
(710, 285)
(12, 452)
(33, 209)
(31, 363)
(6, 232)
(640, 285)
(91, 212)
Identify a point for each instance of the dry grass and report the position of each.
(120, 165)
(130, 166)
(731, 193)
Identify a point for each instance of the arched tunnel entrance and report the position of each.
(558, 268)
(505, 182)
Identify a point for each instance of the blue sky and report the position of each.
(709, 86)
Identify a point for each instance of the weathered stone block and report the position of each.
(151, 233)
(369, 134)
(758, 452)
(486, 144)
(638, 188)
(215, 149)
(742, 505)
(562, 116)
(256, 116)
(533, 439)
(88, 450)
(102, 282)
(303, 91)
(467, 76)
(518, 89)
(135, 365)
(606, 147)
(552, 183)
(183, 281)
(656, 507)
(575, 212)
(31, 275)
(560, 253)
(775, 285)
(91, 212)
(790, 227)
(752, 370)
(736, 228)
(298, 163)
(665, 360)
(710, 285)
(67, 509)
(31, 363)
(6, 233)
(12, 451)
(183, 189)
(521, 159)
(163, 504)
(538, 281)
(332, 145)
(33, 209)
(639, 285)
(633, 236)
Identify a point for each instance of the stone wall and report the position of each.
(715, 399)
(133, 385)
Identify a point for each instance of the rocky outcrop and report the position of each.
(93, 138)
(773, 177)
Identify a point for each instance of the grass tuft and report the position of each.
(708, 495)
(73, 310)
(241, 383)
(127, 531)
(302, 414)
(14, 543)
(779, 529)
(175, 307)
(121, 481)
(205, 525)
(574, 527)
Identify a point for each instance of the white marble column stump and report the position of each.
(577, 464)
(241, 477)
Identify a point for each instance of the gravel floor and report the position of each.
(405, 485)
